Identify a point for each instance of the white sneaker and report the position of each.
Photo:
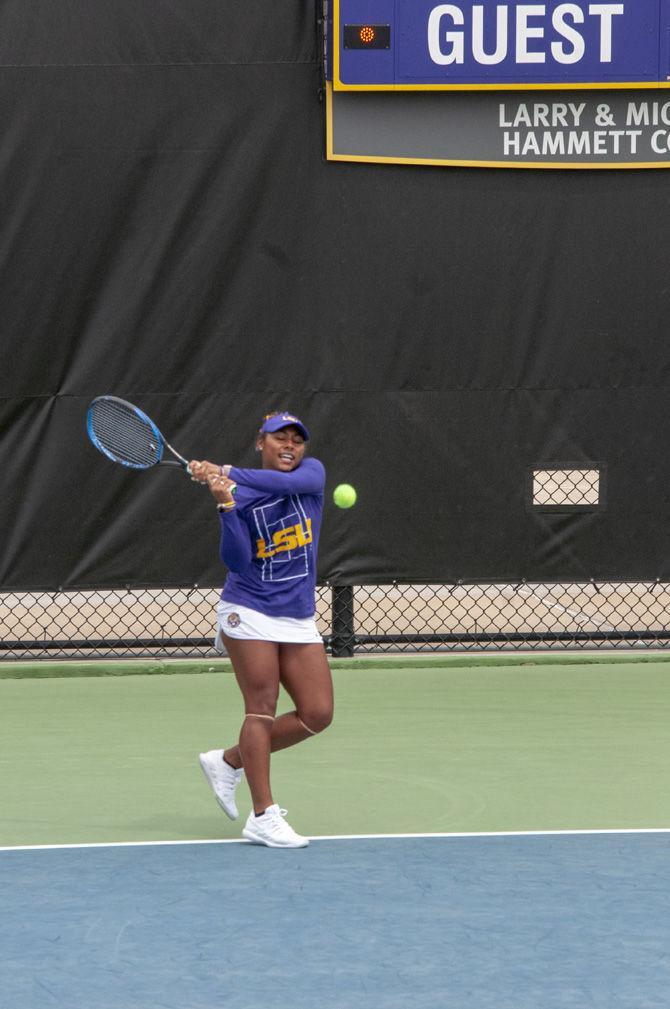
(272, 829)
(223, 779)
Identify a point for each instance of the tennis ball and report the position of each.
(344, 495)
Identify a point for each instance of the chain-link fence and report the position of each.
(137, 622)
(353, 619)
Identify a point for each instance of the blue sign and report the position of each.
(424, 44)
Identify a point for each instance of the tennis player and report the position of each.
(269, 539)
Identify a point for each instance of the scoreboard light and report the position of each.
(367, 36)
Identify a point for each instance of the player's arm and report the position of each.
(308, 478)
(235, 547)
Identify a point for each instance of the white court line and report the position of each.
(345, 837)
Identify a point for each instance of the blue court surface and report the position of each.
(430, 922)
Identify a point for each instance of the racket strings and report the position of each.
(124, 435)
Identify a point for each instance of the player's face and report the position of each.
(282, 450)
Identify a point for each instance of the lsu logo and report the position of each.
(284, 416)
(285, 539)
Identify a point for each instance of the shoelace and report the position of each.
(277, 820)
(276, 815)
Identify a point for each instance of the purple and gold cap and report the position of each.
(277, 421)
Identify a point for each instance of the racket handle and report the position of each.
(182, 462)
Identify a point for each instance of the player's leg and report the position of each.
(256, 666)
(305, 675)
(287, 730)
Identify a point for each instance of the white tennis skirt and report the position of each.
(237, 621)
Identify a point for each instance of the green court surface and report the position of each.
(438, 745)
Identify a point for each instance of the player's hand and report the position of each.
(200, 471)
(221, 488)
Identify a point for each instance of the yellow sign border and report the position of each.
(454, 163)
(339, 85)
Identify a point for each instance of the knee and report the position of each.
(262, 702)
(316, 719)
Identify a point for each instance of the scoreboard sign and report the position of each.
(401, 45)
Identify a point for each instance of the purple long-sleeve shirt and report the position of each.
(269, 542)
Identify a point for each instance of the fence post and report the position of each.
(342, 641)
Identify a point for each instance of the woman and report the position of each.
(269, 537)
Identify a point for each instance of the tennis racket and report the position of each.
(126, 435)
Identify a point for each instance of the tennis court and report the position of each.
(487, 831)
(374, 277)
